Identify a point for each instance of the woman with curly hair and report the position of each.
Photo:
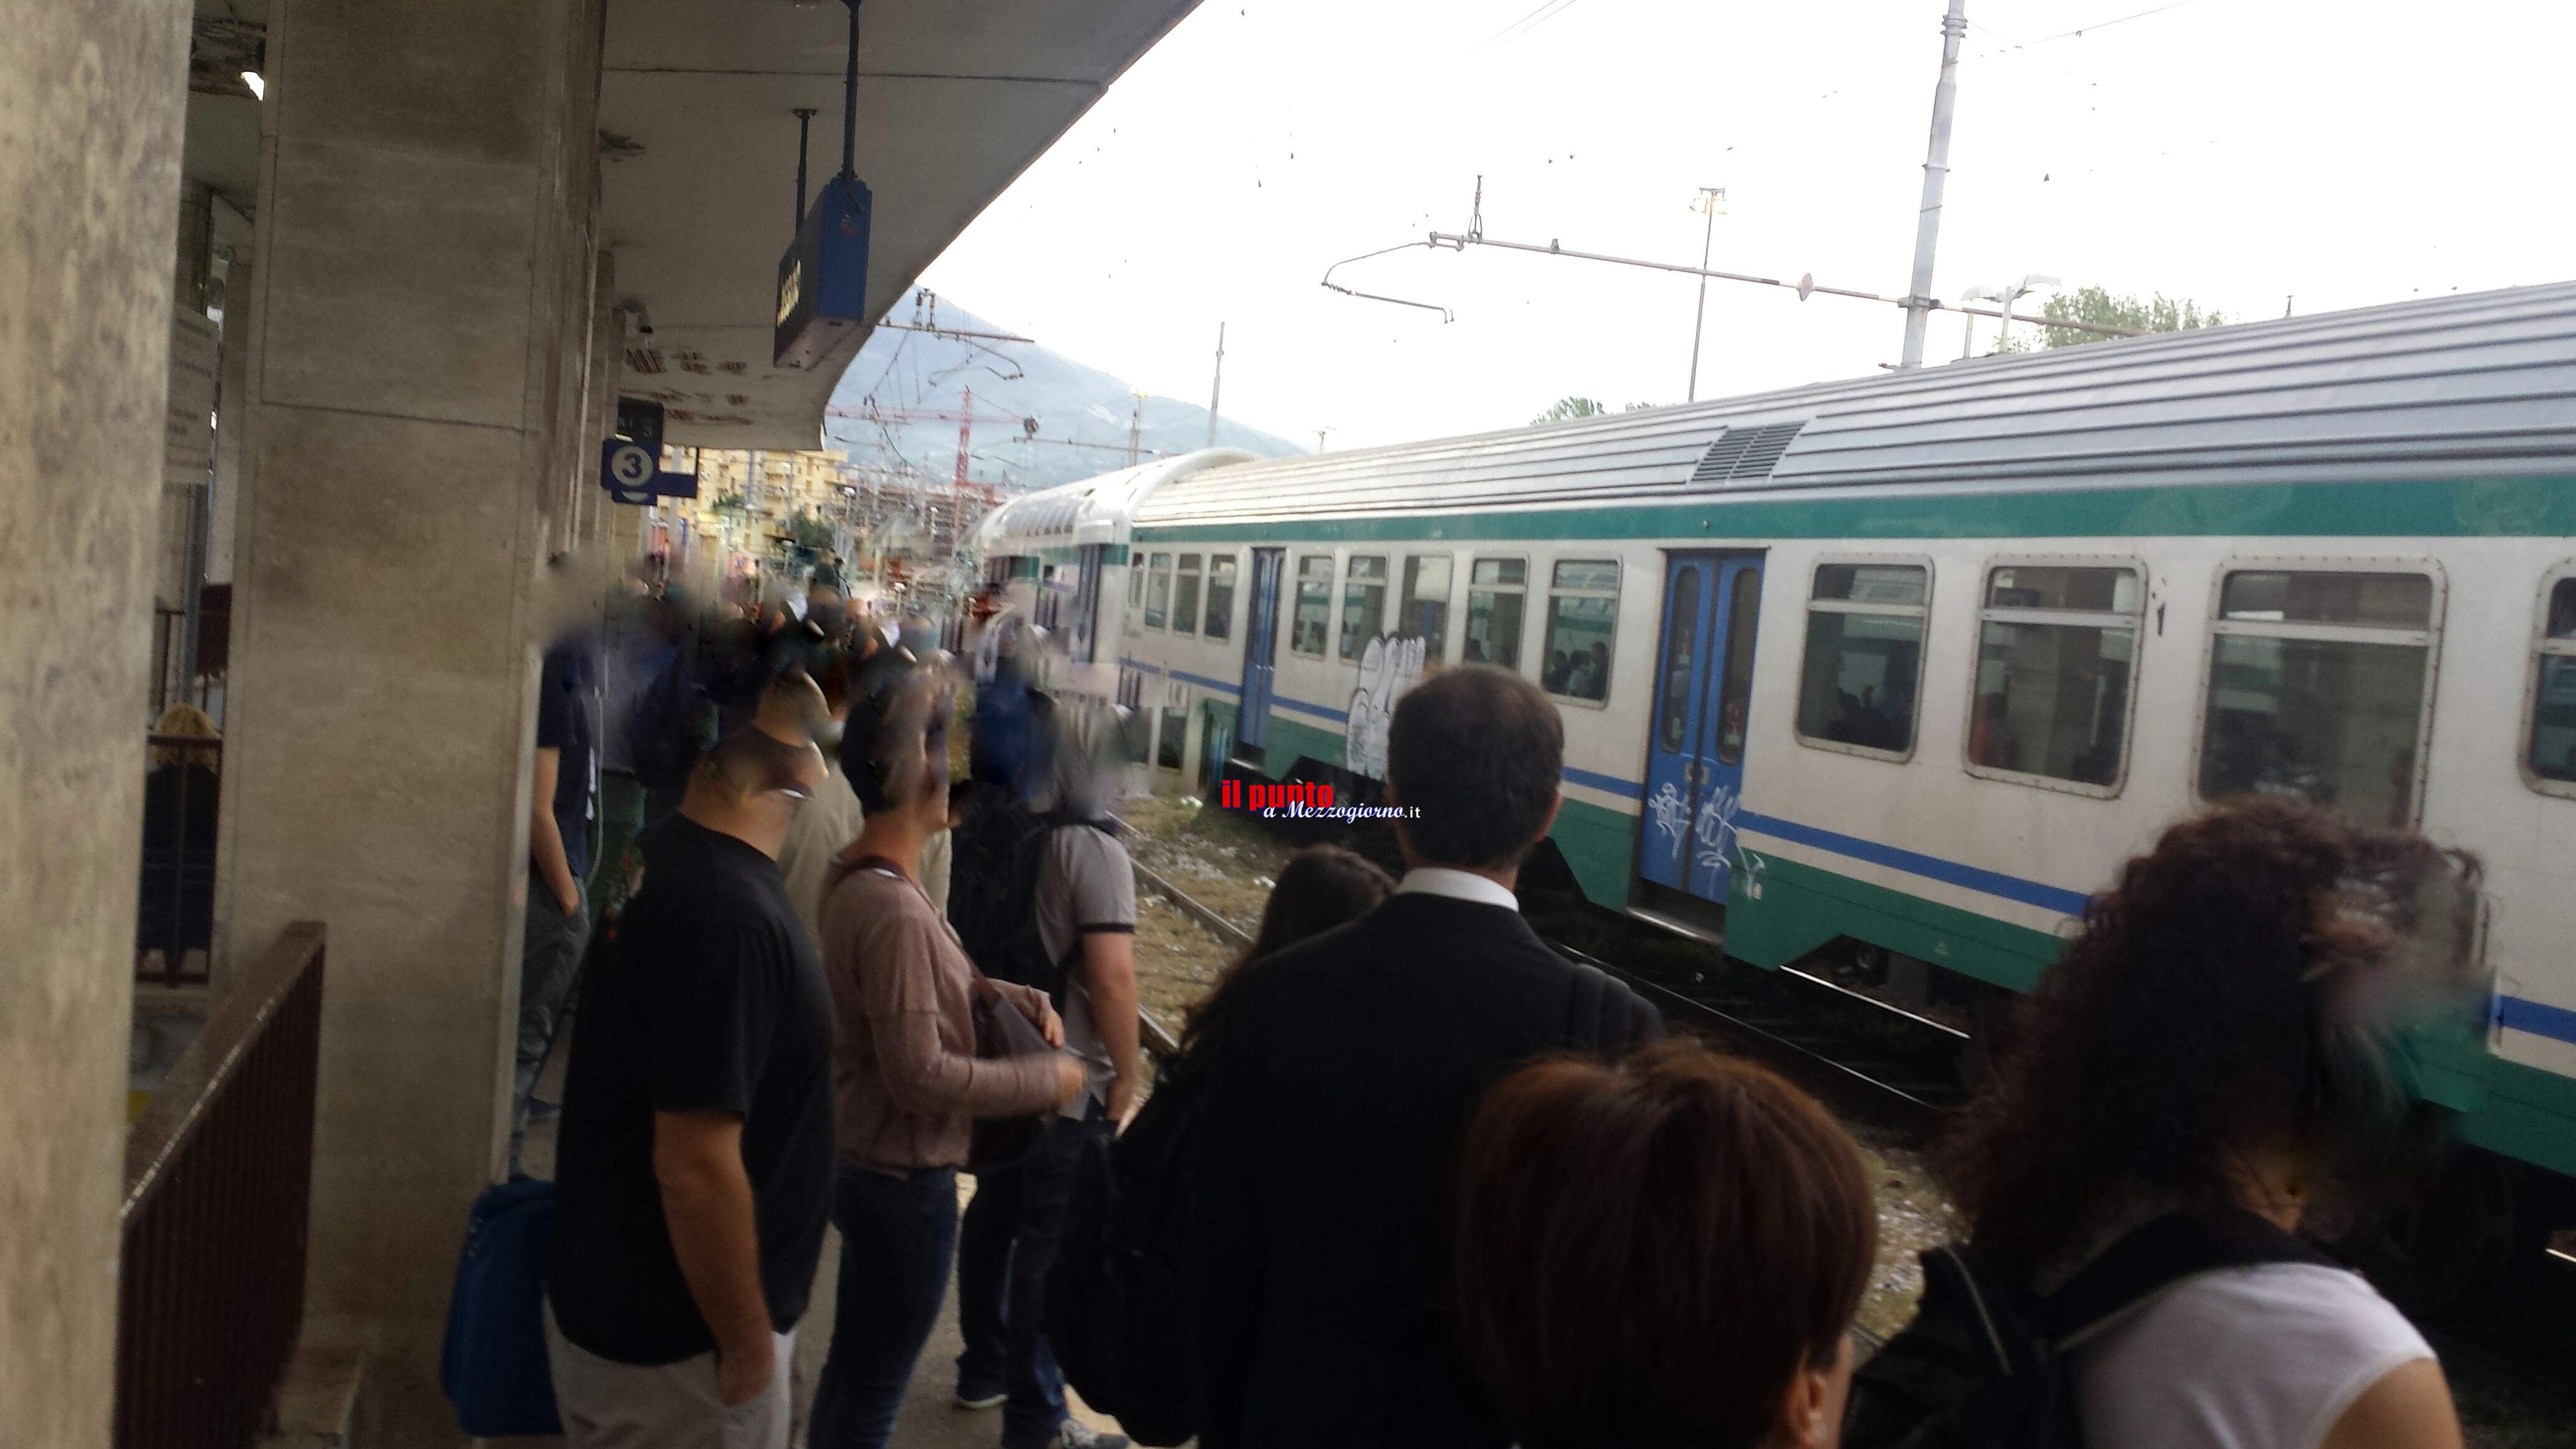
(2219, 1043)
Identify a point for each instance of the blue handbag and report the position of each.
(493, 1366)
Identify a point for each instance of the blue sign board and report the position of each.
(632, 473)
(823, 278)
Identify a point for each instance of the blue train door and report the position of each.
(1260, 648)
(1703, 689)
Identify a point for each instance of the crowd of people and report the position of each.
(1415, 1179)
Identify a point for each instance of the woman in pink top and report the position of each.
(906, 1081)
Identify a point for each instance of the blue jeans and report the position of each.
(898, 1235)
(1013, 1229)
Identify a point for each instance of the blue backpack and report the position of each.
(494, 1367)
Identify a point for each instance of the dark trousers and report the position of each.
(549, 954)
(898, 1236)
(1013, 1229)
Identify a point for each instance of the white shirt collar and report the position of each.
(1459, 885)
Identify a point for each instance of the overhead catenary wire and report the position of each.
(1546, 11)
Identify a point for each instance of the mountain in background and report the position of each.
(909, 374)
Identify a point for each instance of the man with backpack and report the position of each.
(1345, 1076)
(1046, 898)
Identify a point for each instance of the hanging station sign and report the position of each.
(823, 278)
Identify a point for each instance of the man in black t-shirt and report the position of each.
(695, 1164)
(565, 797)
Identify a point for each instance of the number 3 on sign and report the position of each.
(631, 465)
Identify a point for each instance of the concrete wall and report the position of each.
(90, 116)
(426, 239)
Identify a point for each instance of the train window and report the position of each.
(1582, 614)
(1363, 603)
(1220, 595)
(1497, 590)
(2057, 650)
(1135, 582)
(1743, 617)
(2550, 752)
(1314, 604)
(1185, 596)
(1681, 662)
(1861, 682)
(1425, 606)
(2316, 689)
(1049, 605)
(1158, 590)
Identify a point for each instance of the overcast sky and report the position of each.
(2235, 152)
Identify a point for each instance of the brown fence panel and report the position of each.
(218, 1182)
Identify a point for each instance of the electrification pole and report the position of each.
(1936, 172)
(1712, 199)
(1217, 389)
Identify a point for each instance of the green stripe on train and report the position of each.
(2489, 507)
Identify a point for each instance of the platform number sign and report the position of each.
(626, 470)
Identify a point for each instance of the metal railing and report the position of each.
(175, 910)
(218, 1176)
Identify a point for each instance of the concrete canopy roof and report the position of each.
(698, 136)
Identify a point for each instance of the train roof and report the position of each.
(1094, 510)
(2462, 386)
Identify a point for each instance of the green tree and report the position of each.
(810, 532)
(729, 501)
(1571, 407)
(2096, 305)
(1583, 407)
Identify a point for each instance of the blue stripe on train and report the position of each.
(2538, 1018)
(1991, 882)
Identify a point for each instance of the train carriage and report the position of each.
(1058, 557)
(1914, 661)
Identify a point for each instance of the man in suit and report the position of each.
(1339, 1087)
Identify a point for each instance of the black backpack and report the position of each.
(1987, 1365)
(1118, 1301)
(994, 856)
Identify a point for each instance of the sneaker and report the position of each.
(1075, 1434)
(979, 1394)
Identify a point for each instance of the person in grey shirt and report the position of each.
(1086, 916)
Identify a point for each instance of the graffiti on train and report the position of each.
(1710, 837)
(1390, 665)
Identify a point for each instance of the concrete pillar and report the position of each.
(91, 104)
(426, 221)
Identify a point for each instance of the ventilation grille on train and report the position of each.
(1742, 454)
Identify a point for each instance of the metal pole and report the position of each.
(1699, 319)
(1936, 172)
(850, 102)
(1218, 389)
(804, 122)
(2003, 333)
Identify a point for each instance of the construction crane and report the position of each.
(873, 412)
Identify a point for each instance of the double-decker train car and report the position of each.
(1912, 662)
(1058, 559)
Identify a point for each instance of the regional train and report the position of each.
(1912, 662)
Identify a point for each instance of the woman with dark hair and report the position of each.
(2218, 1044)
(1121, 1318)
(1662, 1254)
(907, 1079)
(1320, 887)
